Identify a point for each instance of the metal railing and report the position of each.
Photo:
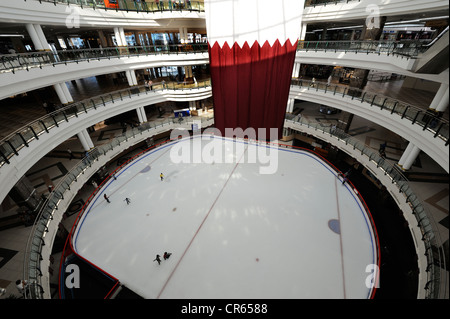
(14, 142)
(435, 274)
(25, 61)
(405, 48)
(33, 253)
(136, 5)
(430, 122)
(313, 3)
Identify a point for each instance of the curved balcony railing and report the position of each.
(431, 238)
(25, 61)
(36, 241)
(13, 143)
(313, 3)
(136, 5)
(430, 122)
(406, 48)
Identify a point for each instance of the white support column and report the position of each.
(129, 79)
(303, 32)
(83, 141)
(144, 115)
(41, 36)
(66, 92)
(139, 115)
(439, 95)
(411, 158)
(443, 103)
(60, 93)
(122, 36)
(88, 138)
(34, 37)
(133, 77)
(118, 37)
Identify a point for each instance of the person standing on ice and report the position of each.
(158, 259)
(106, 197)
(166, 255)
(128, 200)
(162, 176)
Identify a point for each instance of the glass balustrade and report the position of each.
(431, 123)
(406, 48)
(25, 61)
(136, 5)
(13, 143)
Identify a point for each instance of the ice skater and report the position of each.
(161, 176)
(166, 255)
(128, 200)
(106, 197)
(158, 259)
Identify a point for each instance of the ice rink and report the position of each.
(232, 231)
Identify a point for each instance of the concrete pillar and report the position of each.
(409, 156)
(41, 36)
(303, 32)
(144, 115)
(441, 99)
(34, 37)
(66, 92)
(122, 35)
(139, 115)
(133, 77)
(60, 93)
(88, 138)
(290, 106)
(129, 79)
(83, 141)
(118, 37)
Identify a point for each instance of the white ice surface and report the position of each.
(232, 232)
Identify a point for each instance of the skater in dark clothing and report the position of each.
(128, 200)
(166, 255)
(158, 259)
(106, 197)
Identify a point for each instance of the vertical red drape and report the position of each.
(250, 85)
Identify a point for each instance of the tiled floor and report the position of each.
(433, 192)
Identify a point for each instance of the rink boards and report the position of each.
(233, 232)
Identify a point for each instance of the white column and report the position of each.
(122, 35)
(303, 32)
(66, 92)
(88, 138)
(60, 93)
(439, 95)
(133, 77)
(443, 103)
(144, 115)
(34, 37)
(83, 141)
(139, 114)
(129, 79)
(41, 36)
(118, 37)
(411, 158)
(290, 106)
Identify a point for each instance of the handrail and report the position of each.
(25, 61)
(403, 48)
(314, 3)
(430, 235)
(33, 257)
(147, 6)
(429, 121)
(11, 144)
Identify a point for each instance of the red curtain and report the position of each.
(250, 85)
